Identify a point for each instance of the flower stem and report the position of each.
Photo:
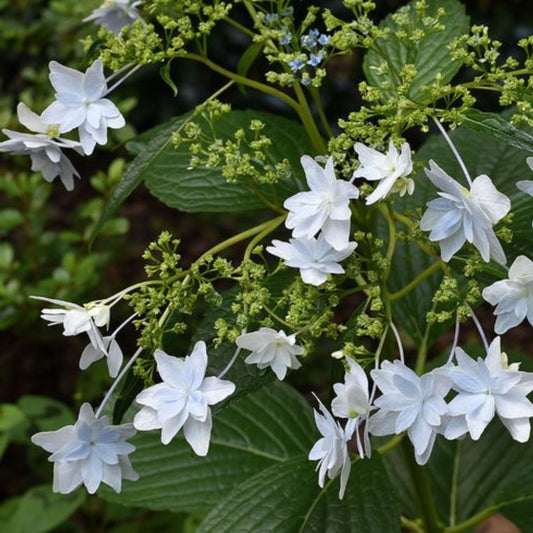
(413, 284)
(454, 150)
(123, 79)
(423, 490)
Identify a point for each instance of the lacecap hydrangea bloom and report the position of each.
(325, 207)
(81, 103)
(513, 297)
(314, 257)
(271, 348)
(462, 214)
(44, 147)
(113, 15)
(89, 453)
(183, 399)
(390, 169)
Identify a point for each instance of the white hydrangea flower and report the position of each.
(77, 319)
(182, 400)
(331, 451)
(271, 348)
(410, 403)
(486, 388)
(109, 349)
(114, 15)
(526, 185)
(325, 207)
(81, 103)
(461, 215)
(513, 297)
(352, 402)
(390, 169)
(44, 147)
(314, 257)
(90, 452)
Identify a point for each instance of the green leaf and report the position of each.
(38, 510)
(286, 497)
(136, 170)
(10, 218)
(164, 71)
(247, 60)
(45, 413)
(498, 128)
(249, 435)
(430, 55)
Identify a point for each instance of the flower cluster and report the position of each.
(80, 104)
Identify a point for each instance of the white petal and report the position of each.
(198, 434)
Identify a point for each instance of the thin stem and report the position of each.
(467, 525)
(236, 238)
(320, 109)
(455, 338)
(454, 150)
(260, 236)
(232, 360)
(115, 298)
(409, 524)
(276, 317)
(123, 79)
(308, 121)
(387, 214)
(391, 444)
(414, 283)
(127, 321)
(479, 329)
(423, 490)
(398, 340)
(239, 26)
(117, 381)
(118, 72)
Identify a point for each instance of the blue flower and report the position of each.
(287, 12)
(316, 59)
(296, 65)
(323, 39)
(286, 39)
(314, 33)
(271, 17)
(308, 41)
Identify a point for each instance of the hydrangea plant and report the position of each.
(382, 248)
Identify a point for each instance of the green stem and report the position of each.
(237, 238)
(315, 93)
(423, 491)
(260, 236)
(308, 121)
(386, 211)
(473, 521)
(411, 525)
(419, 279)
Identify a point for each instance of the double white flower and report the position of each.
(410, 403)
(271, 348)
(44, 147)
(513, 297)
(325, 207)
(182, 400)
(352, 402)
(81, 103)
(331, 451)
(486, 388)
(314, 257)
(114, 15)
(90, 452)
(462, 214)
(390, 169)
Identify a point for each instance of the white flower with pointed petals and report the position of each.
(77, 319)
(325, 207)
(44, 148)
(90, 452)
(390, 169)
(110, 349)
(271, 348)
(512, 297)
(526, 185)
(314, 257)
(331, 451)
(410, 403)
(182, 400)
(461, 215)
(81, 103)
(486, 388)
(114, 15)
(352, 402)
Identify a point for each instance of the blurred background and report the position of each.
(44, 230)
